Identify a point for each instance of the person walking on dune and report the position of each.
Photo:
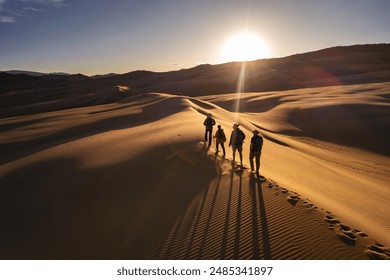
(220, 139)
(255, 151)
(209, 122)
(236, 140)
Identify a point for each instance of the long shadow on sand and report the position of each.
(57, 209)
(255, 186)
(226, 221)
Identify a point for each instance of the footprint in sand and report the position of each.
(310, 206)
(345, 227)
(378, 252)
(331, 220)
(347, 236)
(293, 199)
(360, 233)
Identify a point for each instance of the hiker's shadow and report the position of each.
(258, 208)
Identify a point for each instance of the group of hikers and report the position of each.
(236, 141)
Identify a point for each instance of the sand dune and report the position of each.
(328, 144)
(133, 179)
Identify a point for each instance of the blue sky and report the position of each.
(101, 36)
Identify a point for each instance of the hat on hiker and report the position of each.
(236, 125)
(255, 131)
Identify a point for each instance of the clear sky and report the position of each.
(102, 36)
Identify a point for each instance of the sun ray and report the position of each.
(240, 90)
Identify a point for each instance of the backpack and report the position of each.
(240, 136)
(220, 136)
(209, 122)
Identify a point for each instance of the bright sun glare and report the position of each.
(244, 46)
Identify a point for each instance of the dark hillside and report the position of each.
(357, 64)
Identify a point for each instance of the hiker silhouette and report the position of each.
(220, 139)
(209, 122)
(255, 151)
(236, 140)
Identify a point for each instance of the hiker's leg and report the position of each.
(257, 162)
(251, 156)
(240, 151)
(223, 148)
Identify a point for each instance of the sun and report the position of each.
(244, 46)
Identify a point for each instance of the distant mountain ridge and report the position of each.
(345, 65)
(333, 66)
(35, 74)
